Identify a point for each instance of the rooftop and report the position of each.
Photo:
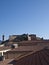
(6, 62)
(38, 58)
(27, 48)
(4, 48)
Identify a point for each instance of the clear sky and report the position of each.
(24, 16)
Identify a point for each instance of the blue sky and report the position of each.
(24, 16)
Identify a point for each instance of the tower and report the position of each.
(29, 38)
(2, 37)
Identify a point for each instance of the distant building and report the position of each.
(11, 37)
(20, 37)
(33, 36)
